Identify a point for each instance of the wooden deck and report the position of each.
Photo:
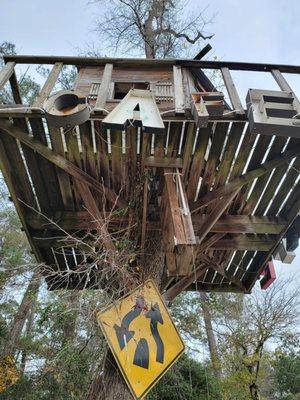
(242, 189)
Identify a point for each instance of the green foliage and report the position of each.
(28, 87)
(287, 372)
(186, 380)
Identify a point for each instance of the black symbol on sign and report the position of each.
(124, 335)
(155, 317)
(141, 355)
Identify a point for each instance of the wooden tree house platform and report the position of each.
(222, 196)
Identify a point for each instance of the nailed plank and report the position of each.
(198, 161)
(49, 85)
(232, 92)
(247, 177)
(289, 212)
(241, 224)
(63, 178)
(17, 181)
(104, 88)
(244, 242)
(6, 72)
(179, 97)
(163, 162)
(60, 161)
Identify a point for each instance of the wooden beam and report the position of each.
(248, 177)
(215, 214)
(209, 242)
(74, 220)
(289, 214)
(6, 72)
(60, 162)
(102, 94)
(48, 85)
(163, 162)
(184, 283)
(137, 62)
(179, 98)
(243, 242)
(232, 92)
(212, 264)
(242, 224)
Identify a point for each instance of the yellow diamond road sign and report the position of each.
(142, 337)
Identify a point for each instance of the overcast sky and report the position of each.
(257, 30)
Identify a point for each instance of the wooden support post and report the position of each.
(144, 215)
(6, 72)
(60, 162)
(177, 225)
(232, 92)
(179, 98)
(49, 85)
(104, 88)
(283, 84)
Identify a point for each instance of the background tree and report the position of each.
(28, 86)
(245, 326)
(156, 28)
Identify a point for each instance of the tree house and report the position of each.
(218, 183)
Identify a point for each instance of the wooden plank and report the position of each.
(63, 178)
(6, 72)
(212, 264)
(213, 161)
(102, 95)
(48, 85)
(242, 224)
(289, 212)
(283, 84)
(163, 162)
(179, 98)
(77, 220)
(247, 177)
(60, 162)
(244, 242)
(188, 148)
(198, 161)
(17, 181)
(137, 62)
(46, 168)
(174, 208)
(232, 92)
(233, 140)
(260, 185)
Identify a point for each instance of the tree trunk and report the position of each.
(109, 383)
(29, 330)
(69, 324)
(254, 392)
(212, 345)
(21, 315)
